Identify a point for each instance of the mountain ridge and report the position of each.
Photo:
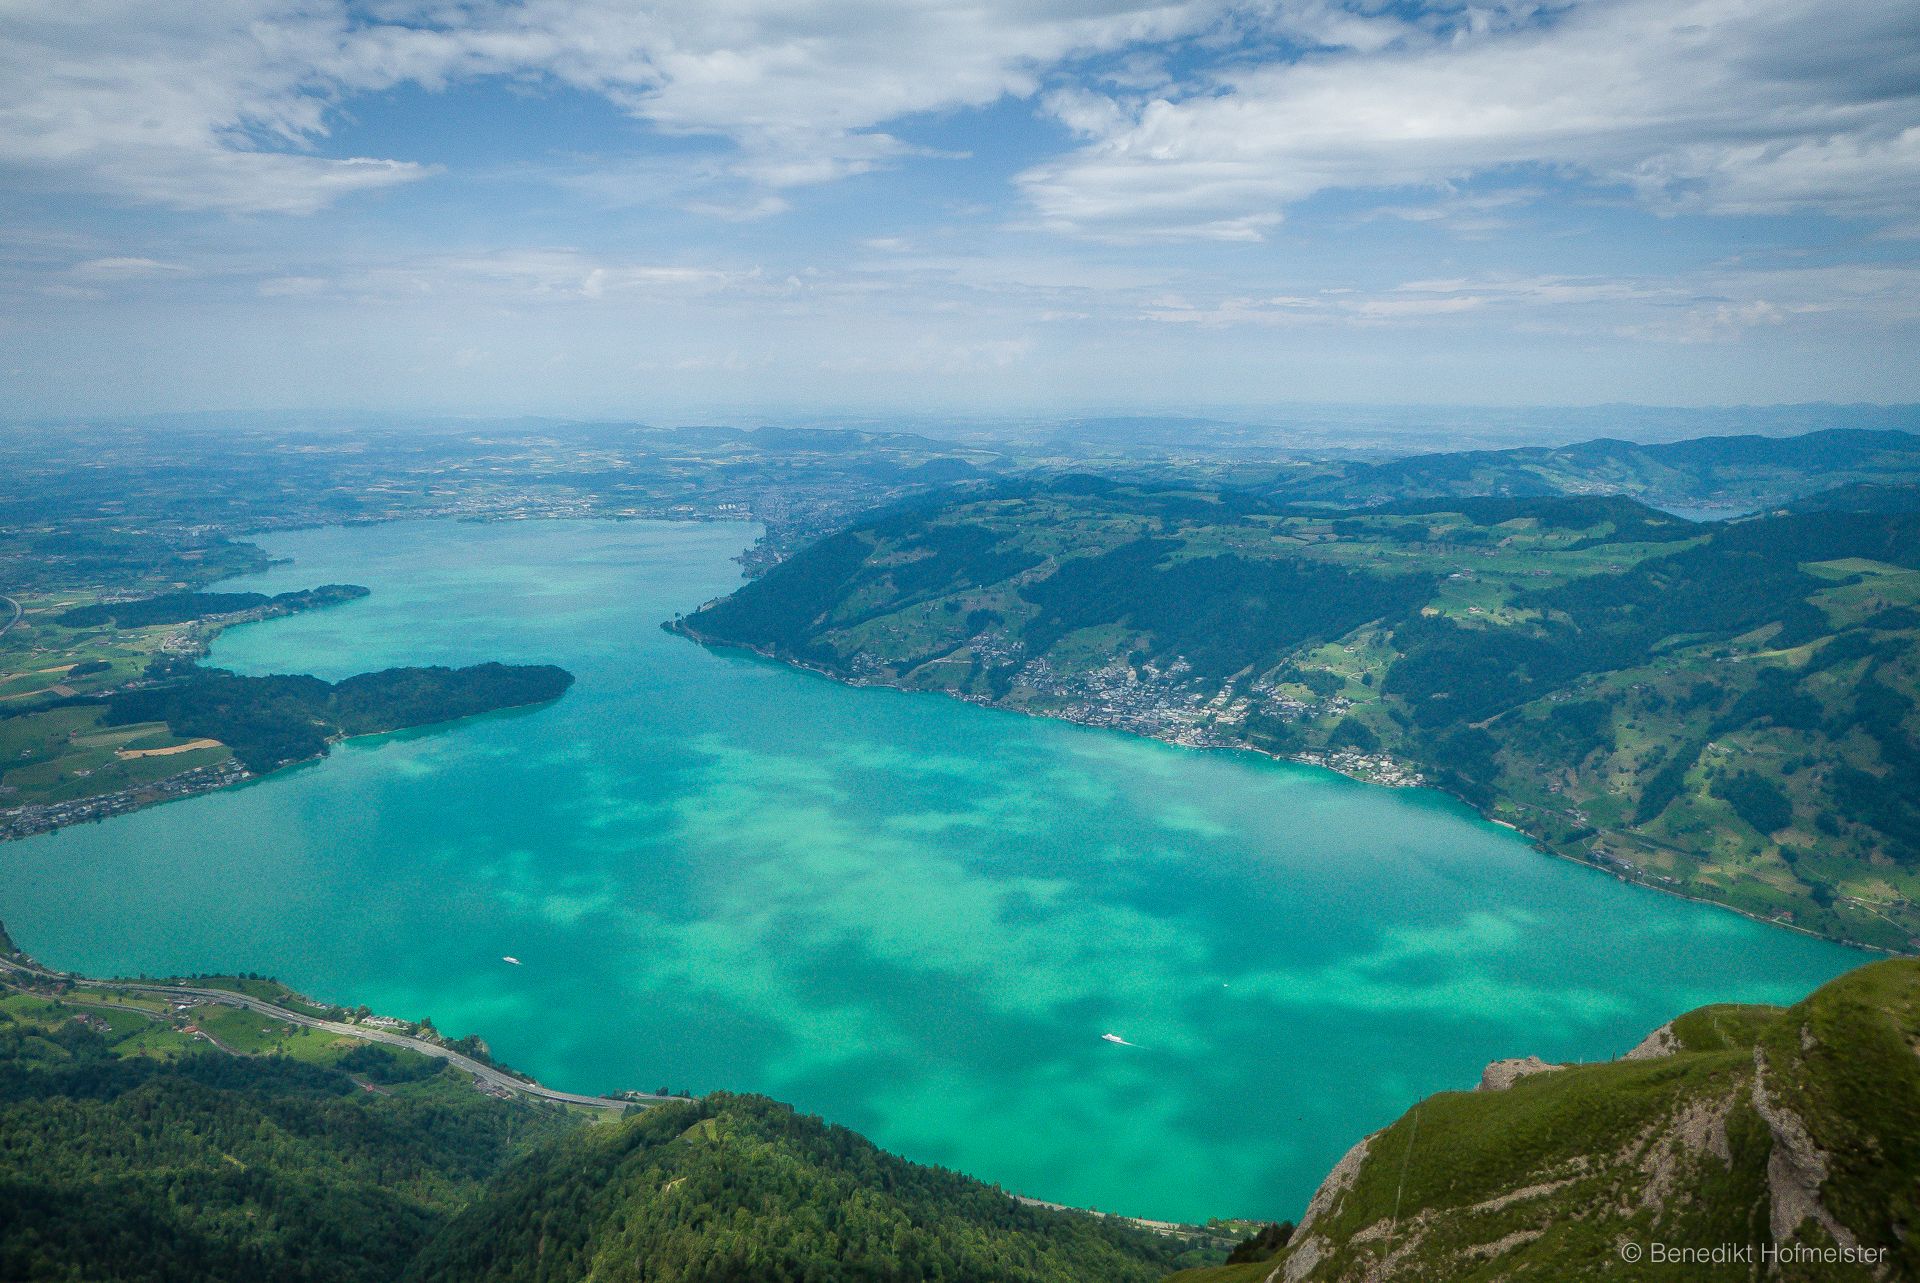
(1785, 1139)
(1629, 688)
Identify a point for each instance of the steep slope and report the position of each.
(1782, 1136)
(738, 1187)
(1726, 710)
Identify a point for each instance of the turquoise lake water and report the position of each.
(912, 915)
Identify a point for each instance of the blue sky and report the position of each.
(715, 208)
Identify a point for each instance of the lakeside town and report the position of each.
(1153, 702)
(26, 821)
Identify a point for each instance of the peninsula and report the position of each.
(104, 707)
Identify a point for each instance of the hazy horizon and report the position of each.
(1375, 429)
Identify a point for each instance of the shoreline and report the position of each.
(494, 1080)
(1321, 761)
(19, 971)
(194, 643)
(38, 819)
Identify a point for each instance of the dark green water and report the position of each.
(915, 916)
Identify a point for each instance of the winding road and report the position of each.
(484, 1074)
(8, 626)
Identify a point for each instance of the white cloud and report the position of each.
(200, 106)
(1710, 306)
(1729, 105)
(506, 279)
(532, 275)
(742, 212)
(1471, 215)
(219, 104)
(125, 268)
(292, 286)
(936, 355)
(1708, 323)
(1737, 106)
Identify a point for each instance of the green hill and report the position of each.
(126, 1155)
(1727, 710)
(131, 1152)
(739, 1187)
(1794, 1131)
(276, 720)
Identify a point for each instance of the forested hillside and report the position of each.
(739, 1187)
(132, 1152)
(272, 721)
(1736, 1128)
(1723, 709)
(117, 1163)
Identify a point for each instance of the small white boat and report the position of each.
(510, 958)
(1116, 1038)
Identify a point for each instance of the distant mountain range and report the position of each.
(1730, 474)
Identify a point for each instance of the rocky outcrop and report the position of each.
(1502, 1074)
(1661, 1042)
(1751, 1128)
(1796, 1169)
(1308, 1248)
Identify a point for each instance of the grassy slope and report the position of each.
(1197, 634)
(1549, 1178)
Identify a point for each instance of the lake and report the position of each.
(912, 915)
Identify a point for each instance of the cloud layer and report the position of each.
(1732, 106)
(215, 105)
(1740, 106)
(604, 203)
